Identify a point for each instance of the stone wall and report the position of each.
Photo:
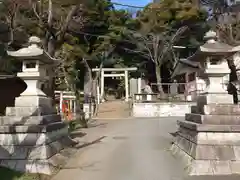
(158, 109)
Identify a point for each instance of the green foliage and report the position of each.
(7, 174)
(100, 34)
(95, 41)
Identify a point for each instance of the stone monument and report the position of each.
(31, 133)
(209, 139)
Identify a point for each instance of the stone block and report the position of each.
(182, 155)
(193, 150)
(213, 119)
(195, 167)
(33, 101)
(205, 99)
(201, 138)
(236, 150)
(204, 152)
(32, 139)
(223, 138)
(221, 167)
(211, 138)
(18, 139)
(11, 164)
(46, 138)
(20, 152)
(194, 110)
(201, 167)
(221, 109)
(6, 151)
(32, 128)
(38, 166)
(43, 166)
(180, 143)
(29, 111)
(235, 167)
(188, 134)
(153, 109)
(224, 153)
(214, 138)
(45, 151)
(13, 152)
(208, 127)
(186, 145)
(29, 120)
(41, 152)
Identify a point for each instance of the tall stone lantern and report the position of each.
(208, 139)
(35, 65)
(33, 129)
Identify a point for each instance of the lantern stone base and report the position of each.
(221, 98)
(33, 101)
(196, 167)
(31, 139)
(208, 141)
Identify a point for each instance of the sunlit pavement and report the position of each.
(133, 149)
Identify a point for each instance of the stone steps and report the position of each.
(113, 109)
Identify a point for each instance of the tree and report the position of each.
(48, 19)
(162, 25)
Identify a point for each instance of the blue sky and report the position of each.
(133, 2)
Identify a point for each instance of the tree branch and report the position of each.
(64, 28)
(50, 13)
(146, 55)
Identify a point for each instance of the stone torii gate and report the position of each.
(100, 93)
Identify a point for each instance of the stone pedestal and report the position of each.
(209, 140)
(31, 138)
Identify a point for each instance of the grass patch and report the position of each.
(8, 174)
(78, 123)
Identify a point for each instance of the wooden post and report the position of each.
(61, 102)
(126, 86)
(102, 85)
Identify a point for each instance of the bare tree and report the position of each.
(157, 47)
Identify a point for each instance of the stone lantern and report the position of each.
(32, 128)
(208, 139)
(215, 69)
(35, 65)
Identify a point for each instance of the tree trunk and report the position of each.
(159, 81)
(97, 81)
(89, 90)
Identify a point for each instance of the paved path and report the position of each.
(132, 149)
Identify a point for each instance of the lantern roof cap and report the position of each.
(33, 50)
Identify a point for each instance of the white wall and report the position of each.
(161, 109)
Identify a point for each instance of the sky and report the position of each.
(133, 2)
